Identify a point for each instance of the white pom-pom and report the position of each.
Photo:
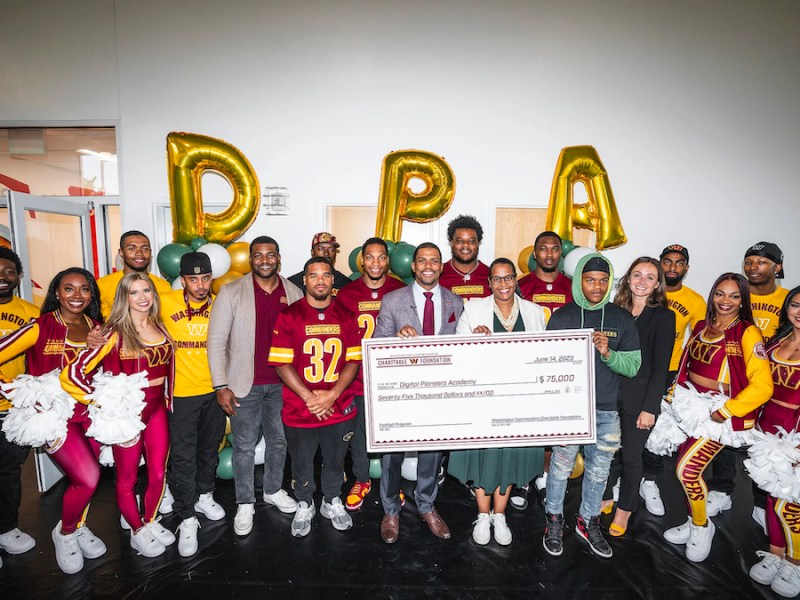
(40, 409)
(693, 410)
(116, 411)
(106, 456)
(667, 434)
(773, 464)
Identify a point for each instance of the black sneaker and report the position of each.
(553, 540)
(519, 497)
(591, 533)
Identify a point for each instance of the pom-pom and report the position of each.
(40, 409)
(773, 464)
(117, 405)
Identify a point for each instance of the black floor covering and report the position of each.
(269, 563)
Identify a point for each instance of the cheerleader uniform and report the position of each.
(157, 360)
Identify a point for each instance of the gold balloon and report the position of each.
(228, 429)
(189, 155)
(222, 443)
(227, 278)
(240, 257)
(577, 470)
(582, 164)
(398, 202)
(524, 257)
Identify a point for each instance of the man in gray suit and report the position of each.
(423, 308)
(248, 389)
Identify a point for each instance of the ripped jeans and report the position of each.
(597, 464)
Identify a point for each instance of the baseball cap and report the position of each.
(596, 264)
(195, 263)
(675, 248)
(770, 251)
(323, 237)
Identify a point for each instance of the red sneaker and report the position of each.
(357, 494)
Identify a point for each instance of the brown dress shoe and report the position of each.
(390, 528)
(436, 524)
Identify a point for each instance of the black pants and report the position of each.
(653, 463)
(628, 462)
(12, 457)
(196, 427)
(303, 443)
(358, 445)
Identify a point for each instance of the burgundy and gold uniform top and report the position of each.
(157, 360)
(785, 378)
(317, 344)
(474, 284)
(365, 304)
(550, 296)
(707, 358)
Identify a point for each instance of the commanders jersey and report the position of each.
(767, 310)
(189, 333)
(470, 285)
(108, 289)
(550, 296)
(689, 308)
(365, 304)
(317, 344)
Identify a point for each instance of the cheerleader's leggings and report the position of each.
(153, 443)
(694, 455)
(77, 455)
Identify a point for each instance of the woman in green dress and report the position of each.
(493, 471)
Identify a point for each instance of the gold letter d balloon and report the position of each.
(189, 155)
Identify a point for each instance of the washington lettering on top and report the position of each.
(184, 314)
(12, 318)
(678, 307)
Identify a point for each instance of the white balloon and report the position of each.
(220, 259)
(571, 260)
(261, 448)
(409, 468)
(177, 284)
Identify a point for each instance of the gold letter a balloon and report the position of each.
(188, 156)
(582, 164)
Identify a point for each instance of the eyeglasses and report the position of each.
(504, 278)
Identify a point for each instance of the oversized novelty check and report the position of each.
(479, 391)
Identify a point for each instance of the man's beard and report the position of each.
(673, 280)
(8, 293)
(547, 269)
(137, 269)
(464, 261)
(319, 297)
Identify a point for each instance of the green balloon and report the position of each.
(532, 261)
(355, 275)
(401, 260)
(352, 259)
(561, 264)
(375, 468)
(197, 242)
(230, 439)
(169, 259)
(225, 466)
(566, 247)
(390, 246)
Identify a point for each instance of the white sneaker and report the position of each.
(765, 571)
(145, 543)
(700, 538)
(68, 554)
(166, 502)
(187, 536)
(540, 482)
(161, 533)
(716, 502)
(243, 521)
(679, 534)
(123, 522)
(502, 534)
(301, 524)
(787, 582)
(284, 502)
(651, 495)
(760, 517)
(208, 506)
(16, 542)
(91, 546)
(482, 533)
(334, 510)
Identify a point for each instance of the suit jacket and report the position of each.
(398, 309)
(231, 333)
(480, 311)
(656, 327)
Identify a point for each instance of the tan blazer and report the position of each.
(480, 311)
(231, 333)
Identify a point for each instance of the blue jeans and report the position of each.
(597, 464)
(259, 412)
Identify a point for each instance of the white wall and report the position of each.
(693, 106)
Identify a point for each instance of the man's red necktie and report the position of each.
(427, 315)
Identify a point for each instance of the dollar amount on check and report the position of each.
(477, 391)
